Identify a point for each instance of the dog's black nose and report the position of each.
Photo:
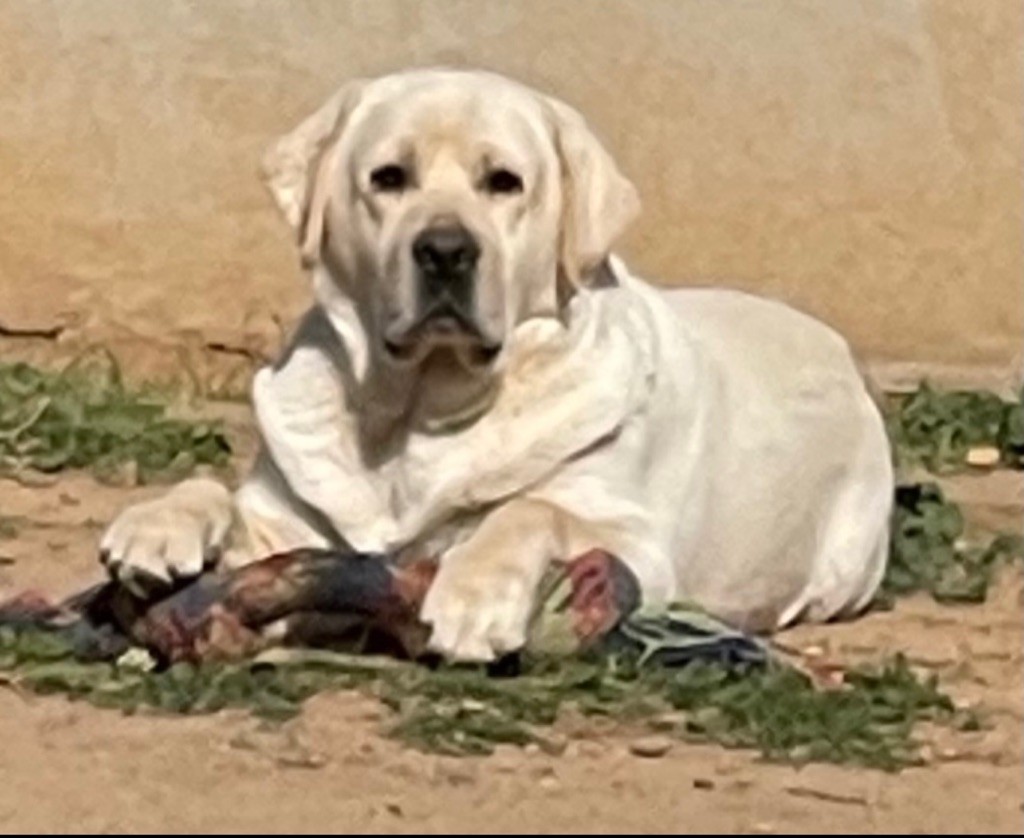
(446, 252)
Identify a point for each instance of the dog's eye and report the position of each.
(503, 182)
(390, 178)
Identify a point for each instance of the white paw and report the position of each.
(152, 545)
(476, 614)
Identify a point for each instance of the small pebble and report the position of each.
(136, 659)
(371, 714)
(703, 784)
(668, 721)
(301, 758)
(984, 456)
(726, 765)
(650, 747)
(456, 773)
(243, 742)
(126, 474)
(552, 744)
(506, 759)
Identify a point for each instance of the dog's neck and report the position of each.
(437, 396)
(448, 396)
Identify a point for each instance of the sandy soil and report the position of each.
(66, 767)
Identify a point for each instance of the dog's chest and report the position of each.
(554, 404)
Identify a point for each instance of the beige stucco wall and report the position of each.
(859, 159)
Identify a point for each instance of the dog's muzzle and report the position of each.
(446, 259)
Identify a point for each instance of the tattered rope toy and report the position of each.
(369, 603)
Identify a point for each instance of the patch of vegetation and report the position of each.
(85, 416)
(868, 721)
(936, 428)
(778, 711)
(928, 554)
(775, 710)
(43, 663)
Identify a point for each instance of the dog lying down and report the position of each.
(481, 380)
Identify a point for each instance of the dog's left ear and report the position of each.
(598, 202)
(299, 167)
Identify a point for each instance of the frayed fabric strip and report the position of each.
(368, 603)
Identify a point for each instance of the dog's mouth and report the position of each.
(443, 326)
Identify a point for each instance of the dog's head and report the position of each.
(439, 209)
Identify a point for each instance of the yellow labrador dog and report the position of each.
(480, 379)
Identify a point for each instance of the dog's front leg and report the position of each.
(480, 602)
(152, 545)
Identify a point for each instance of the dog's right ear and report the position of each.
(299, 167)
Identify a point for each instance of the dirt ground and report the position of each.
(67, 767)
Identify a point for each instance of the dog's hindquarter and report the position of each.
(796, 481)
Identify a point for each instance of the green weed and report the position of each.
(937, 428)
(86, 417)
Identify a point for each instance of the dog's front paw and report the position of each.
(477, 614)
(153, 545)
